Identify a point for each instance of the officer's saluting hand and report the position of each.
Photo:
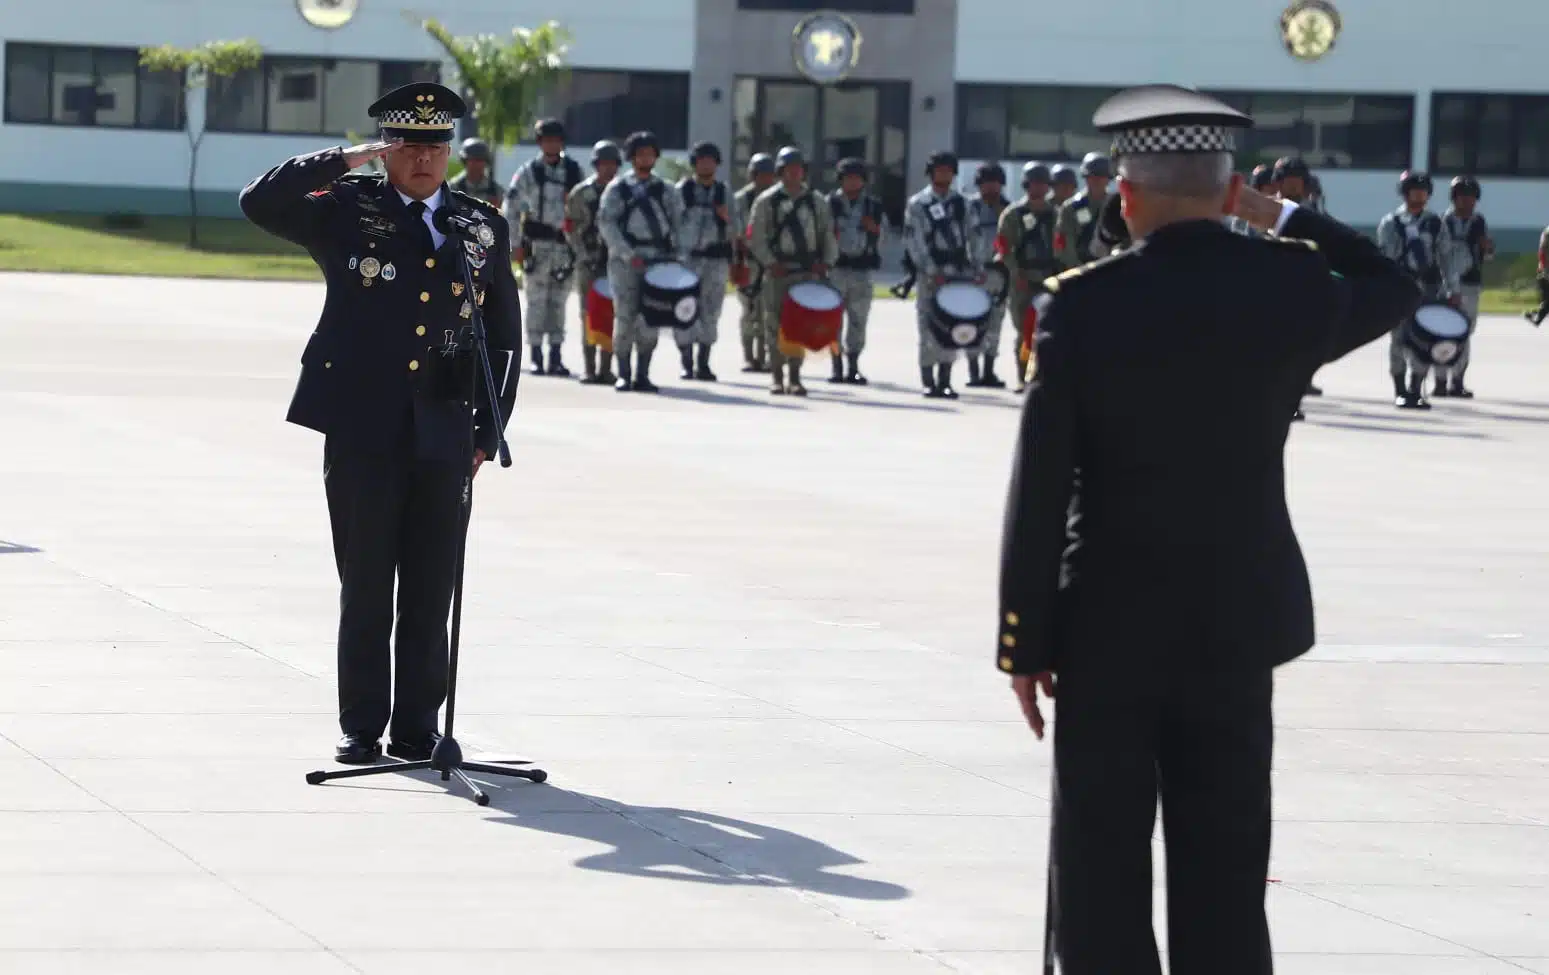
(396, 455)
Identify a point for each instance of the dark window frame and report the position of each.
(1001, 99)
(269, 60)
(888, 8)
(141, 73)
(1472, 122)
(668, 138)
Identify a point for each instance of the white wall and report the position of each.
(612, 35)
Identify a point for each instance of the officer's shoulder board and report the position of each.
(1298, 243)
(351, 184)
(1116, 259)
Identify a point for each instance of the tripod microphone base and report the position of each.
(446, 759)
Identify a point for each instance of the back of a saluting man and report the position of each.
(1149, 563)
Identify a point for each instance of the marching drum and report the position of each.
(959, 313)
(812, 315)
(1436, 333)
(669, 296)
(997, 281)
(599, 313)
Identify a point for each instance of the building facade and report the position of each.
(1361, 90)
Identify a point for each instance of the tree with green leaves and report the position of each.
(195, 66)
(503, 78)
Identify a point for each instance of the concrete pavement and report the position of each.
(751, 641)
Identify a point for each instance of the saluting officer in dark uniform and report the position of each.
(1148, 559)
(395, 454)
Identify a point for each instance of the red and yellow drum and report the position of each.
(811, 317)
(599, 314)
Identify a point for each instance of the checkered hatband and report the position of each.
(409, 118)
(1174, 138)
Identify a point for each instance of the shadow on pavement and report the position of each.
(698, 847)
(16, 548)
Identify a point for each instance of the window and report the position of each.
(1329, 130)
(1490, 135)
(848, 7)
(597, 105)
(1050, 124)
(308, 96)
(47, 84)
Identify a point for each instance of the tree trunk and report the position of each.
(193, 194)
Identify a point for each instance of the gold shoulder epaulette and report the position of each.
(1052, 285)
(1311, 245)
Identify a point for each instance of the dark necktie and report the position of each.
(421, 229)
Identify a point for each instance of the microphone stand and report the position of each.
(447, 757)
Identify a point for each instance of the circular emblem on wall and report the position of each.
(328, 14)
(826, 46)
(1309, 28)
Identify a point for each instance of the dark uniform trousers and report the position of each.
(396, 452)
(1202, 741)
(1149, 561)
(392, 514)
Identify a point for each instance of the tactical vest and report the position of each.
(655, 193)
(1087, 230)
(1422, 255)
(1036, 250)
(802, 257)
(1471, 232)
(534, 226)
(868, 259)
(952, 226)
(591, 238)
(721, 248)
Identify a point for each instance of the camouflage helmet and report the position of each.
(1036, 172)
(940, 157)
(851, 167)
(474, 149)
(989, 172)
(641, 140)
(548, 128)
(762, 162)
(787, 156)
(703, 149)
(1062, 174)
(1096, 164)
(1466, 186)
(607, 151)
(1415, 180)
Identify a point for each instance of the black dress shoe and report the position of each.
(415, 749)
(357, 750)
(1314, 390)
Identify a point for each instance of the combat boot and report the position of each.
(625, 381)
(837, 376)
(777, 382)
(988, 378)
(760, 355)
(1414, 395)
(642, 382)
(604, 365)
(702, 365)
(1400, 391)
(556, 363)
(1457, 390)
(928, 382)
(686, 354)
(747, 356)
(1439, 388)
(854, 374)
(973, 371)
(537, 360)
(589, 364)
(944, 380)
(794, 386)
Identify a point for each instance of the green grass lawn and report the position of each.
(234, 248)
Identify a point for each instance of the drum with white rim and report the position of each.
(669, 296)
(959, 314)
(1437, 333)
(812, 315)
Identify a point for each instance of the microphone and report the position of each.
(454, 224)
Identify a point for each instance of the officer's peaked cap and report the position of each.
(419, 112)
(1159, 119)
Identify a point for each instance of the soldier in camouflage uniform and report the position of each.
(761, 176)
(478, 175)
(591, 254)
(536, 204)
(639, 219)
(936, 236)
(707, 236)
(857, 217)
(792, 236)
(984, 213)
(1025, 245)
(1075, 233)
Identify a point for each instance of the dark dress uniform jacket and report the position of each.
(1148, 528)
(365, 366)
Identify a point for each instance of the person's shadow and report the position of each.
(697, 847)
